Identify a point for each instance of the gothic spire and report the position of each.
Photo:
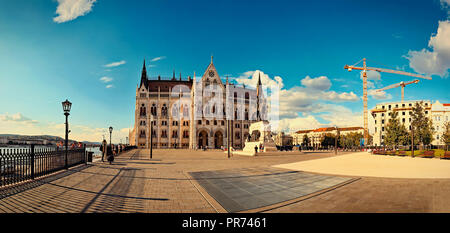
(144, 79)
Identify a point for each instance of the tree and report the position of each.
(306, 140)
(446, 135)
(396, 133)
(328, 140)
(421, 124)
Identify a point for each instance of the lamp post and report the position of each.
(335, 140)
(412, 141)
(110, 133)
(151, 137)
(66, 107)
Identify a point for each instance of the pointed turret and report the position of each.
(144, 79)
(173, 77)
(180, 76)
(258, 95)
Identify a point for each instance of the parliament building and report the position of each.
(195, 112)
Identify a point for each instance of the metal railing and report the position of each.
(21, 164)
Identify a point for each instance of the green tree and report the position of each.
(306, 140)
(421, 124)
(396, 133)
(446, 135)
(328, 140)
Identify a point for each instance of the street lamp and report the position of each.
(151, 136)
(110, 133)
(336, 139)
(66, 107)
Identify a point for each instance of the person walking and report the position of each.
(256, 149)
(103, 150)
(110, 154)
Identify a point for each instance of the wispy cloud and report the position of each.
(68, 10)
(18, 117)
(114, 64)
(109, 86)
(158, 58)
(106, 79)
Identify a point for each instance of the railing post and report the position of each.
(85, 154)
(32, 161)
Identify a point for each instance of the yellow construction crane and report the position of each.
(365, 69)
(400, 84)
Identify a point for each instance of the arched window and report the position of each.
(153, 109)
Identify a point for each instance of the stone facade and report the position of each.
(194, 113)
(316, 135)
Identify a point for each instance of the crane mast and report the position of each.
(364, 70)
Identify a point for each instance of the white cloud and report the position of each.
(68, 10)
(266, 81)
(109, 86)
(319, 83)
(158, 58)
(435, 61)
(18, 117)
(379, 95)
(106, 79)
(114, 64)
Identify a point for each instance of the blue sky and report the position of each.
(46, 57)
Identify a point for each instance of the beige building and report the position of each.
(440, 114)
(282, 139)
(194, 112)
(437, 112)
(316, 135)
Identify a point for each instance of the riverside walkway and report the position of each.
(185, 181)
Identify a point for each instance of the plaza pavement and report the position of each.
(366, 164)
(133, 183)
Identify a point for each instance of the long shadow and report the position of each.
(21, 187)
(100, 193)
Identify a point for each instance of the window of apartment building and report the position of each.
(409, 119)
(426, 104)
(142, 123)
(382, 107)
(375, 129)
(143, 95)
(403, 120)
(163, 133)
(186, 134)
(396, 106)
(389, 107)
(403, 113)
(174, 134)
(403, 105)
(237, 126)
(237, 135)
(426, 112)
(382, 121)
(174, 123)
(222, 122)
(154, 134)
(437, 137)
(245, 126)
(382, 114)
(199, 122)
(382, 136)
(409, 127)
(382, 129)
(375, 121)
(410, 105)
(163, 122)
(207, 122)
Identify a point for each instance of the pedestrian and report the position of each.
(256, 149)
(103, 149)
(110, 154)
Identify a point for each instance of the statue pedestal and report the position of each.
(261, 134)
